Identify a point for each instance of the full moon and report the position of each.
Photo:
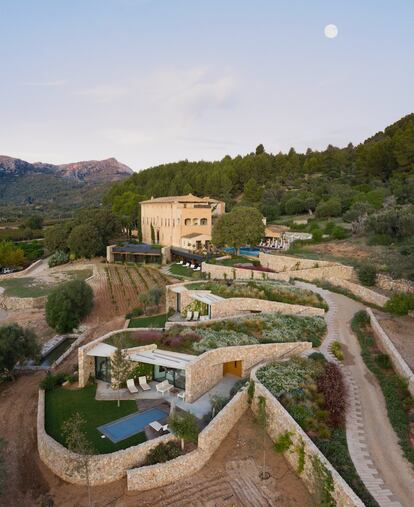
(331, 31)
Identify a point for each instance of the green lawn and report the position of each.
(179, 270)
(238, 259)
(152, 321)
(29, 287)
(62, 403)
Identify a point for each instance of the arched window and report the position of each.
(203, 221)
(195, 221)
(187, 221)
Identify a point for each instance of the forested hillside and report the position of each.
(380, 169)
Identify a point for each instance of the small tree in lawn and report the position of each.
(77, 442)
(184, 426)
(16, 345)
(145, 300)
(120, 368)
(242, 226)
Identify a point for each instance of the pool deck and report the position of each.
(199, 408)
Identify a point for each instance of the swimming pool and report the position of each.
(130, 425)
(253, 252)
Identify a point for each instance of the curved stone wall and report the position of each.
(278, 422)
(103, 468)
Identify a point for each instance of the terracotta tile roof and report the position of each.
(179, 198)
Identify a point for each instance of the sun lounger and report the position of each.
(196, 315)
(131, 386)
(189, 315)
(143, 383)
(163, 387)
(155, 425)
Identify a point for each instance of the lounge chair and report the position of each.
(131, 386)
(143, 383)
(181, 395)
(189, 315)
(198, 268)
(192, 266)
(155, 425)
(196, 315)
(163, 387)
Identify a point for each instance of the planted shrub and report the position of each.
(400, 304)
(136, 312)
(163, 453)
(367, 274)
(383, 361)
(58, 258)
(339, 232)
(332, 386)
(283, 442)
(51, 381)
(336, 349)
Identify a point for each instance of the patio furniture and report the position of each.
(155, 425)
(131, 386)
(196, 315)
(189, 315)
(204, 317)
(143, 383)
(163, 387)
(198, 268)
(181, 395)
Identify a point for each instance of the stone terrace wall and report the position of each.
(367, 295)
(400, 366)
(203, 373)
(286, 263)
(14, 303)
(234, 306)
(279, 421)
(218, 272)
(209, 440)
(103, 468)
(387, 283)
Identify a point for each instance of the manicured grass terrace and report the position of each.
(62, 403)
(151, 321)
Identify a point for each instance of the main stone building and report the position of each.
(183, 221)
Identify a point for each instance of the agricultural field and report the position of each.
(117, 289)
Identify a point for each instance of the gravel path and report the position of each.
(372, 442)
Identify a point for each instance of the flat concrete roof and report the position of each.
(163, 358)
(102, 350)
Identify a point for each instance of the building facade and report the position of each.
(184, 221)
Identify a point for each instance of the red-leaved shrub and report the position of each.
(331, 385)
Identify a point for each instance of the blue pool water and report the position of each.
(254, 252)
(131, 424)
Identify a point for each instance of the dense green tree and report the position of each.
(34, 222)
(10, 254)
(252, 191)
(56, 237)
(260, 149)
(103, 220)
(85, 241)
(67, 304)
(330, 208)
(126, 208)
(16, 345)
(184, 426)
(242, 226)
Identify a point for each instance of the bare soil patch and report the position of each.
(401, 332)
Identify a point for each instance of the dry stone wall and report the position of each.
(234, 306)
(400, 366)
(368, 295)
(387, 283)
(162, 474)
(14, 303)
(280, 421)
(203, 373)
(103, 468)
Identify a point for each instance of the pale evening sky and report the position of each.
(153, 81)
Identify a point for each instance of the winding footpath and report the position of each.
(372, 442)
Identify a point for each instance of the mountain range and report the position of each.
(55, 189)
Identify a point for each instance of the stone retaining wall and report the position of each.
(204, 373)
(387, 283)
(286, 263)
(366, 294)
(400, 366)
(233, 306)
(278, 422)
(218, 272)
(103, 468)
(14, 303)
(209, 440)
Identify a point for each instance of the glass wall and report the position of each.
(174, 376)
(103, 369)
